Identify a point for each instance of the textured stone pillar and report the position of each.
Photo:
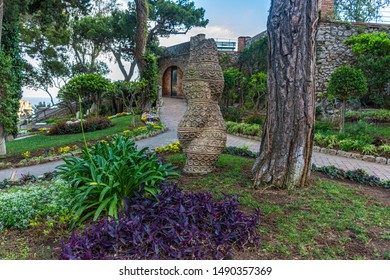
(202, 131)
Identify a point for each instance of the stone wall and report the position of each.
(331, 50)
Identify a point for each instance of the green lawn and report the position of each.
(40, 142)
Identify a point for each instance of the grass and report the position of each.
(324, 221)
(42, 142)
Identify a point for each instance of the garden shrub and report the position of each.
(109, 173)
(232, 114)
(178, 225)
(239, 151)
(20, 205)
(243, 128)
(89, 125)
(346, 82)
(372, 116)
(358, 175)
(90, 88)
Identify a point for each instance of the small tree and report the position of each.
(257, 90)
(90, 87)
(346, 82)
(232, 90)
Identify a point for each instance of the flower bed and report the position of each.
(178, 225)
(89, 125)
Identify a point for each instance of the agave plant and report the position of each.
(110, 172)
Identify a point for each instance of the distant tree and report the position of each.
(346, 82)
(359, 10)
(284, 159)
(232, 92)
(257, 90)
(90, 87)
(174, 17)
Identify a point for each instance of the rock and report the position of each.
(329, 151)
(344, 154)
(381, 160)
(369, 158)
(356, 156)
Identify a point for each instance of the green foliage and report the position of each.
(372, 116)
(174, 17)
(243, 128)
(239, 151)
(358, 175)
(359, 10)
(90, 87)
(11, 68)
(20, 205)
(9, 95)
(232, 90)
(232, 114)
(110, 172)
(254, 59)
(346, 82)
(150, 80)
(257, 90)
(361, 137)
(373, 59)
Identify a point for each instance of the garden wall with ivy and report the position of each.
(331, 50)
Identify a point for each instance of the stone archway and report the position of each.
(172, 82)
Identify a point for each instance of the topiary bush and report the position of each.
(346, 82)
(178, 225)
(89, 125)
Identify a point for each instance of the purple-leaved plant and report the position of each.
(179, 225)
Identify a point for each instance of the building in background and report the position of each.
(25, 109)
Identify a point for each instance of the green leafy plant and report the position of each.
(369, 150)
(243, 128)
(20, 205)
(346, 82)
(372, 116)
(109, 173)
(358, 175)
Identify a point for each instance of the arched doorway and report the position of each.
(172, 82)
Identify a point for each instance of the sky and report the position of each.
(228, 19)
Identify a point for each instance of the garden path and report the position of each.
(171, 113)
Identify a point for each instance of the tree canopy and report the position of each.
(359, 10)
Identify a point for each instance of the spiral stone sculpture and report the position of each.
(202, 130)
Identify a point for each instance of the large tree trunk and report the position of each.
(141, 34)
(286, 146)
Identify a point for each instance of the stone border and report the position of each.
(33, 162)
(368, 158)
